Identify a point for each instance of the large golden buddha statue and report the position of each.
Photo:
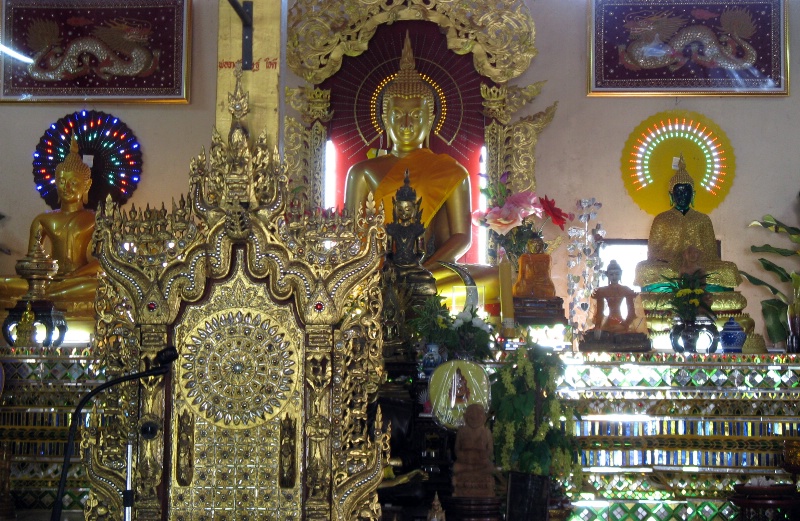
(441, 182)
(68, 231)
(674, 232)
(408, 113)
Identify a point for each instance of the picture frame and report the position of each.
(688, 48)
(454, 386)
(79, 50)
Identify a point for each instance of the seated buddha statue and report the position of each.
(611, 298)
(68, 231)
(473, 470)
(612, 331)
(533, 279)
(408, 114)
(674, 231)
(405, 252)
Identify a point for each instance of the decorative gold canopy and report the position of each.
(499, 34)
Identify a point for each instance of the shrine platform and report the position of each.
(668, 436)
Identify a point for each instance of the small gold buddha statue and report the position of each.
(678, 229)
(68, 231)
(533, 279)
(436, 513)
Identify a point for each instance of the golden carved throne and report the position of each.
(274, 310)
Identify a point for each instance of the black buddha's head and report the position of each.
(681, 188)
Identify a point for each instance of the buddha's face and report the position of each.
(682, 196)
(407, 122)
(71, 187)
(614, 276)
(405, 210)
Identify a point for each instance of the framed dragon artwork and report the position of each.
(688, 48)
(74, 50)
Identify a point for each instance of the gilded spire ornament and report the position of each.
(681, 177)
(408, 83)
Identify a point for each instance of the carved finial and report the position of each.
(681, 177)
(436, 513)
(407, 56)
(238, 100)
(409, 82)
(406, 192)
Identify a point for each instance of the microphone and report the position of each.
(164, 359)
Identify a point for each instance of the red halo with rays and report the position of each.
(356, 96)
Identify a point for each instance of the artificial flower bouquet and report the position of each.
(516, 220)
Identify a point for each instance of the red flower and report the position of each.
(556, 214)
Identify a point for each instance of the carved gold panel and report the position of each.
(240, 356)
(239, 403)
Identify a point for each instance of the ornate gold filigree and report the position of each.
(184, 471)
(273, 308)
(305, 143)
(500, 35)
(246, 347)
(511, 148)
(313, 104)
(288, 476)
(105, 449)
(501, 102)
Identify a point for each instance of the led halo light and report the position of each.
(647, 160)
(377, 97)
(117, 163)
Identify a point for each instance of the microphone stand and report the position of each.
(165, 357)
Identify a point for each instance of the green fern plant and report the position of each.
(775, 310)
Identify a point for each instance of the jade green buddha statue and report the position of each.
(677, 230)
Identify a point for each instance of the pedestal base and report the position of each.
(778, 502)
(539, 311)
(615, 343)
(472, 509)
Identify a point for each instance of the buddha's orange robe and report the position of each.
(433, 176)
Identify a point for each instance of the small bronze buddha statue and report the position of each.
(612, 331)
(406, 249)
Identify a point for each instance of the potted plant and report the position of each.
(464, 335)
(690, 305)
(533, 429)
(782, 313)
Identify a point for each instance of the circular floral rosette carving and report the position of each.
(239, 368)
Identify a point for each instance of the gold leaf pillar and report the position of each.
(263, 81)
